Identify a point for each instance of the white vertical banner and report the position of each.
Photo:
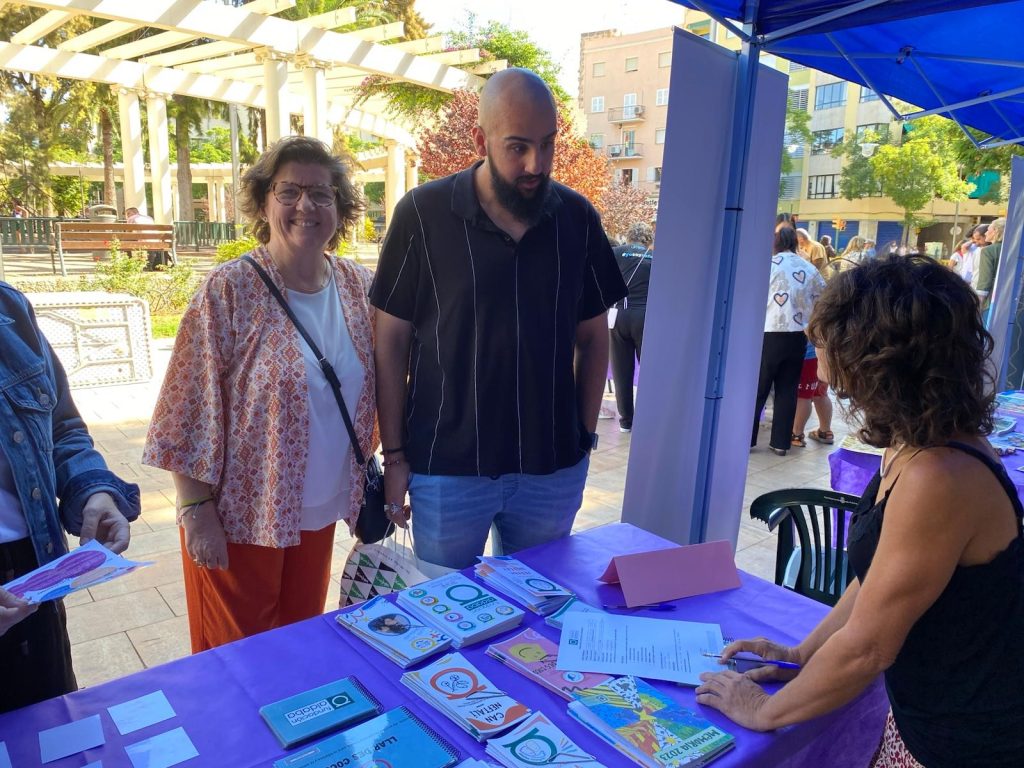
(1006, 319)
(672, 395)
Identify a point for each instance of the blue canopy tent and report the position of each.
(913, 51)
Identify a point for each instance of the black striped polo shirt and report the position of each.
(491, 383)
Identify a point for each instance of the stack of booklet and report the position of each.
(401, 636)
(396, 738)
(463, 693)
(311, 713)
(573, 606)
(460, 608)
(538, 741)
(531, 654)
(522, 584)
(648, 727)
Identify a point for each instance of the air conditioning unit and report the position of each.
(638, 110)
(615, 150)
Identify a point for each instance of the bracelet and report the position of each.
(399, 449)
(392, 462)
(197, 502)
(190, 509)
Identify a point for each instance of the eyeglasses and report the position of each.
(320, 195)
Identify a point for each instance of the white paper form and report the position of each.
(162, 751)
(132, 715)
(70, 738)
(631, 645)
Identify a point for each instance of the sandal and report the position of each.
(821, 436)
(798, 441)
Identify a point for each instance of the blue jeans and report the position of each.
(452, 515)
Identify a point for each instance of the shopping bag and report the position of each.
(378, 569)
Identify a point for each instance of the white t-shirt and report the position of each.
(794, 288)
(325, 494)
(13, 525)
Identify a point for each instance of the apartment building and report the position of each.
(624, 82)
(840, 109)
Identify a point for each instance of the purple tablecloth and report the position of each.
(851, 471)
(216, 694)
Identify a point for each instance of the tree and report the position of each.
(624, 205)
(496, 41)
(448, 147)
(188, 113)
(798, 132)
(44, 115)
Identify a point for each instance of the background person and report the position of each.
(988, 263)
(46, 454)
(811, 391)
(812, 250)
(937, 545)
(247, 422)
(793, 288)
(626, 336)
(826, 243)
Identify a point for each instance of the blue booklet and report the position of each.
(316, 711)
(396, 738)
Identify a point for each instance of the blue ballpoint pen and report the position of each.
(762, 662)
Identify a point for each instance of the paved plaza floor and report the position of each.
(140, 620)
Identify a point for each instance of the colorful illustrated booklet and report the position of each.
(461, 608)
(401, 636)
(396, 738)
(523, 584)
(647, 726)
(87, 566)
(575, 605)
(539, 742)
(463, 693)
(533, 655)
(316, 711)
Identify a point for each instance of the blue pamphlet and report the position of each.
(395, 738)
(319, 710)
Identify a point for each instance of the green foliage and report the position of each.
(168, 290)
(164, 326)
(215, 147)
(235, 248)
(495, 41)
(374, 191)
(69, 195)
(369, 231)
(798, 131)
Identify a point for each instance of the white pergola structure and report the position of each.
(251, 59)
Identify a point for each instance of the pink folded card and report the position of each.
(669, 574)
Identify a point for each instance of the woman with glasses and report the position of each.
(247, 422)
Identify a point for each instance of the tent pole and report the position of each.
(746, 89)
(952, 115)
(703, 8)
(863, 76)
(810, 24)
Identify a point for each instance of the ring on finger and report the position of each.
(393, 509)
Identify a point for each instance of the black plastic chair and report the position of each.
(820, 519)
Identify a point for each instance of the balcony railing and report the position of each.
(624, 151)
(630, 114)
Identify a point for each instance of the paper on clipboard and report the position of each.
(670, 574)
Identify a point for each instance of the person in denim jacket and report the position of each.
(46, 454)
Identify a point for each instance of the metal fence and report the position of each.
(35, 234)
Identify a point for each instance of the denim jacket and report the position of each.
(44, 438)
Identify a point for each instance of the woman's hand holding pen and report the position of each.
(769, 652)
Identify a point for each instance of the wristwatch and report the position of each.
(593, 440)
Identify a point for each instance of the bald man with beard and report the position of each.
(492, 339)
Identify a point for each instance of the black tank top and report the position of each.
(957, 685)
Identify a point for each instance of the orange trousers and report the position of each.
(262, 588)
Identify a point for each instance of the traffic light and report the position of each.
(839, 224)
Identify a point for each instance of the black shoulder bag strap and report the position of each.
(325, 366)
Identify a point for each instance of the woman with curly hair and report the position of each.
(247, 422)
(936, 544)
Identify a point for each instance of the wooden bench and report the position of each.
(93, 236)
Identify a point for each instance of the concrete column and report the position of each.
(314, 106)
(159, 159)
(175, 206)
(213, 210)
(222, 201)
(394, 178)
(130, 116)
(275, 85)
(412, 172)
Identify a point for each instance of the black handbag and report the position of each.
(372, 524)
